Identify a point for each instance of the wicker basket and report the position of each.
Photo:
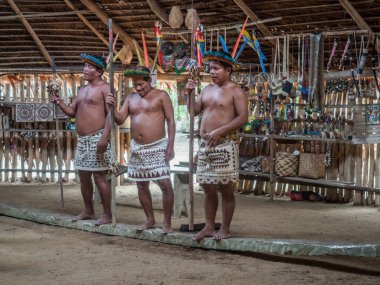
(286, 164)
(312, 165)
(192, 15)
(175, 17)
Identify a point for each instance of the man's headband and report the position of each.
(98, 61)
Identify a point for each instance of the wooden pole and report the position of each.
(113, 128)
(58, 137)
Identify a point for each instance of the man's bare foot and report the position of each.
(167, 229)
(83, 216)
(103, 220)
(146, 225)
(221, 234)
(205, 232)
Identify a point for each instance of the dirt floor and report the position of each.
(40, 254)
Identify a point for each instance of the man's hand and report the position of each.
(101, 146)
(56, 99)
(213, 138)
(190, 86)
(110, 100)
(169, 154)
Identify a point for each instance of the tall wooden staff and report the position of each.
(53, 88)
(113, 127)
(194, 75)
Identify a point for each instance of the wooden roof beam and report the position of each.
(88, 24)
(358, 19)
(30, 30)
(116, 28)
(244, 7)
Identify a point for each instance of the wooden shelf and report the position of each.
(251, 173)
(295, 138)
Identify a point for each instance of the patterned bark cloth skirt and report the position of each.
(147, 161)
(86, 157)
(218, 164)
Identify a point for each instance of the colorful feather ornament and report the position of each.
(224, 45)
(146, 59)
(239, 37)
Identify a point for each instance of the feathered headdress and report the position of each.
(98, 61)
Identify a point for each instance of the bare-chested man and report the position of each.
(151, 151)
(224, 110)
(91, 158)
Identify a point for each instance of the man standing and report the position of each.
(151, 151)
(90, 111)
(224, 110)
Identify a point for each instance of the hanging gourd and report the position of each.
(192, 20)
(175, 17)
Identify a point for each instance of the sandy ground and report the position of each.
(40, 254)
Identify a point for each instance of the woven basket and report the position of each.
(175, 17)
(192, 15)
(286, 164)
(312, 165)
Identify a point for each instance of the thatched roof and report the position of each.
(63, 34)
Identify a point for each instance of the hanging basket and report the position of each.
(192, 20)
(175, 17)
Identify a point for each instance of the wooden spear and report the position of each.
(113, 127)
(59, 162)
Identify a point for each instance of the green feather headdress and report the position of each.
(98, 61)
(136, 73)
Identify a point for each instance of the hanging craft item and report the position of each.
(44, 112)
(200, 44)
(175, 17)
(373, 59)
(181, 55)
(333, 51)
(372, 114)
(362, 57)
(341, 62)
(275, 82)
(300, 66)
(167, 56)
(352, 71)
(192, 20)
(25, 112)
(158, 36)
(313, 67)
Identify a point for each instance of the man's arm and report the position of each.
(190, 87)
(169, 117)
(120, 116)
(241, 110)
(69, 110)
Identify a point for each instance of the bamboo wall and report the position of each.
(28, 151)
